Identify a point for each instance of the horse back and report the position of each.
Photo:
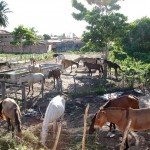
(140, 119)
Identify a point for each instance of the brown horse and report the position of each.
(91, 66)
(33, 60)
(55, 73)
(140, 119)
(126, 101)
(67, 63)
(113, 65)
(10, 111)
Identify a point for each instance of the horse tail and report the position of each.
(17, 119)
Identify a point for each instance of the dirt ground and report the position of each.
(72, 126)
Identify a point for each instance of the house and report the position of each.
(5, 37)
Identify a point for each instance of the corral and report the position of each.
(72, 127)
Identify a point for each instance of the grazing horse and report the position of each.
(112, 65)
(126, 101)
(54, 111)
(3, 64)
(140, 119)
(91, 66)
(55, 73)
(58, 57)
(67, 63)
(10, 111)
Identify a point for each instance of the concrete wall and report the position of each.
(39, 49)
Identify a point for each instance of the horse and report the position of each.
(91, 66)
(140, 119)
(3, 64)
(35, 68)
(86, 59)
(126, 101)
(31, 79)
(33, 60)
(54, 111)
(10, 111)
(67, 63)
(55, 73)
(58, 57)
(112, 65)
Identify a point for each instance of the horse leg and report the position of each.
(54, 82)
(71, 68)
(13, 128)
(126, 144)
(9, 124)
(116, 73)
(32, 88)
(54, 128)
(112, 125)
(17, 121)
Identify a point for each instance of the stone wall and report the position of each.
(39, 49)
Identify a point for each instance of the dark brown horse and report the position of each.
(113, 65)
(55, 73)
(127, 101)
(140, 119)
(91, 66)
(10, 111)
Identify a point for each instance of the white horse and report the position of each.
(32, 78)
(54, 111)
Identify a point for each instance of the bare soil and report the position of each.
(72, 127)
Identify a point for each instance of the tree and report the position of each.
(104, 23)
(3, 11)
(46, 37)
(138, 37)
(24, 36)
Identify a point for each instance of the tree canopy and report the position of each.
(3, 11)
(25, 36)
(105, 24)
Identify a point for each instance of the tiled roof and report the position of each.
(4, 32)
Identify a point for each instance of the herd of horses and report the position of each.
(89, 63)
(117, 111)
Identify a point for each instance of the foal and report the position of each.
(10, 111)
(112, 65)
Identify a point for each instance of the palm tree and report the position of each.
(3, 10)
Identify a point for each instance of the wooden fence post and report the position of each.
(23, 96)
(57, 137)
(84, 132)
(125, 135)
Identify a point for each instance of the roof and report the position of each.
(4, 32)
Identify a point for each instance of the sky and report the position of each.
(55, 16)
